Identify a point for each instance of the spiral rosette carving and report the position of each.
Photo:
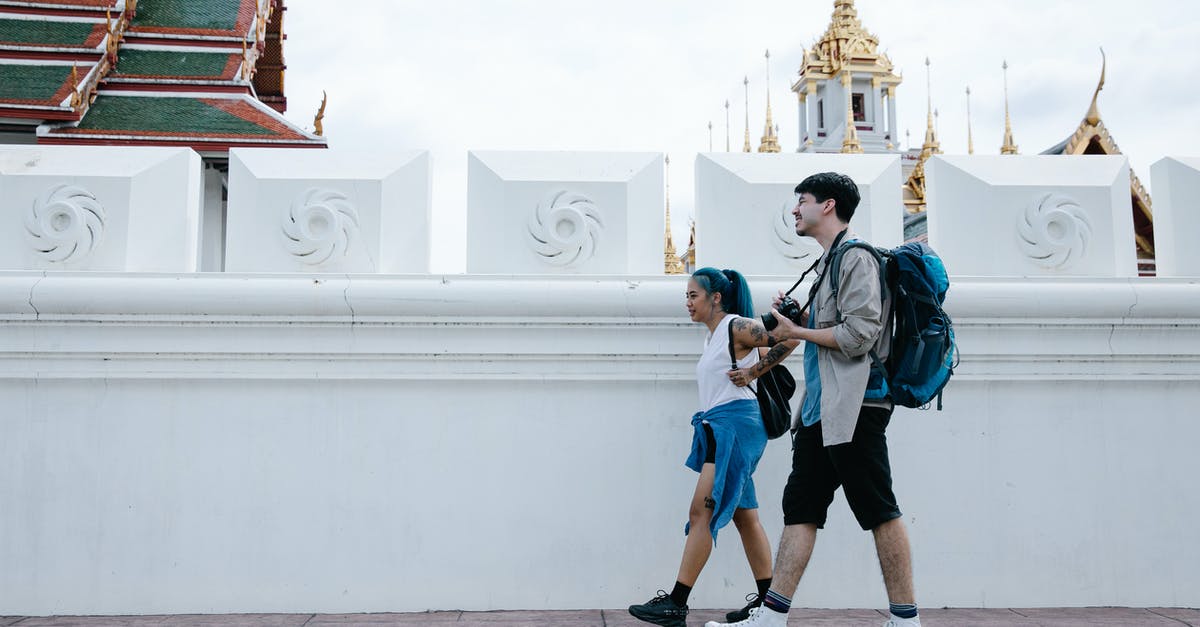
(564, 229)
(321, 224)
(798, 250)
(65, 224)
(1054, 231)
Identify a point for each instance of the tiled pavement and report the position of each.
(1044, 617)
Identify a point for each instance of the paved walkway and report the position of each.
(1044, 617)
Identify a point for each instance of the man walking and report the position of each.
(839, 432)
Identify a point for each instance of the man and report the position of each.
(839, 432)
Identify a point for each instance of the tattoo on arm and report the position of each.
(773, 356)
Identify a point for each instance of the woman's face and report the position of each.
(700, 304)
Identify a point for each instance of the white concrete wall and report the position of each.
(300, 443)
(565, 212)
(100, 208)
(1037, 215)
(1176, 216)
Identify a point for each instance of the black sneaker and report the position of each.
(661, 610)
(753, 601)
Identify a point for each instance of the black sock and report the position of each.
(680, 594)
(763, 586)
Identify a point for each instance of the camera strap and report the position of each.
(812, 292)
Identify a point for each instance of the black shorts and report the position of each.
(859, 466)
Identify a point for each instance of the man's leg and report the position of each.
(895, 559)
(795, 549)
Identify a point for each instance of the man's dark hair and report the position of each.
(839, 187)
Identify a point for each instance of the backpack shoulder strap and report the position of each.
(835, 264)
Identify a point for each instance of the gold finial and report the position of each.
(931, 145)
(746, 85)
(769, 142)
(1008, 147)
(970, 142)
(76, 98)
(318, 128)
(726, 125)
(850, 143)
(1093, 114)
(671, 263)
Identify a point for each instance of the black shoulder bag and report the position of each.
(775, 389)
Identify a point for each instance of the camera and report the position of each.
(787, 308)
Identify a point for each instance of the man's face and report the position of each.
(809, 212)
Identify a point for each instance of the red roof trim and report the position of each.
(198, 146)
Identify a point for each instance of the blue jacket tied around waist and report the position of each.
(741, 438)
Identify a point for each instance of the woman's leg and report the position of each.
(754, 541)
(698, 546)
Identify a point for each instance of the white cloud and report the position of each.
(623, 75)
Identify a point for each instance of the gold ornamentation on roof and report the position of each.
(850, 143)
(671, 262)
(318, 128)
(844, 43)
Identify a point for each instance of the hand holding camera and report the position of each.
(788, 308)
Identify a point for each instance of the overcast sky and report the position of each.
(650, 75)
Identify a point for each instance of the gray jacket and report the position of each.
(844, 372)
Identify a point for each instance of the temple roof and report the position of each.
(1091, 137)
(173, 72)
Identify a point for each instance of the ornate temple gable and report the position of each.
(1091, 137)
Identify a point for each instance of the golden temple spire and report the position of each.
(1093, 114)
(769, 143)
(1008, 147)
(970, 143)
(850, 143)
(726, 125)
(931, 145)
(746, 85)
(671, 263)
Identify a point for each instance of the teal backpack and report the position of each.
(923, 352)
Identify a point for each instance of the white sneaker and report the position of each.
(896, 621)
(759, 617)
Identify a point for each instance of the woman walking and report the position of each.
(727, 442)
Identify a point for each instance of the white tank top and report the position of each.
(712, 371)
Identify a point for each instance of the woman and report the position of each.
(727, 441)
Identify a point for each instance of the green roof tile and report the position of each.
(32, 82)
(210, 14)
(45, 33)
(165, 115)
(171, 64)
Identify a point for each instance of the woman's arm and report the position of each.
(749, 334)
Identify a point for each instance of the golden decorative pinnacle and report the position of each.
(850, 143)
(1008, 147)
(970, 142)
(769, 142)
(76, 98)
(671, 263)
(746, 85)
(1093, 114)
(931, 145)
(726, 125)
(318, 128)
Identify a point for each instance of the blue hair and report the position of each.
(731, 285)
